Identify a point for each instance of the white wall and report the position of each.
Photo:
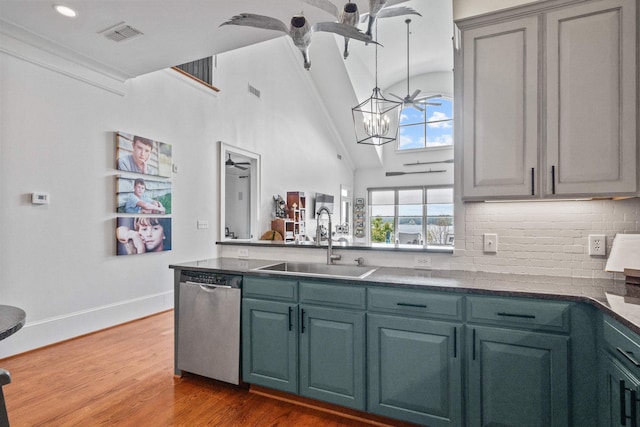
(57, 261)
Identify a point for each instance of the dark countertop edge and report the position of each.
(336, 246)
(18, 317)
(387, 282)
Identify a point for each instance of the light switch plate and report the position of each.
(490, 243)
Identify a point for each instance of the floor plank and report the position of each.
(123, 376)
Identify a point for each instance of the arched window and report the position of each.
(430, 128)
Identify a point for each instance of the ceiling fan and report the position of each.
(411, 99)
(231, 164)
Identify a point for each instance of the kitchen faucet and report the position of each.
(330, 256)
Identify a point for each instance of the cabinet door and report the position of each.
(269, 344)
(414, 370)
(621, 391)
(332, 345)
(500, 109)
(517, 378)
(591, 99)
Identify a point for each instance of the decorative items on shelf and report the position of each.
(297, 212)
(281, 206)
(359, 221)
(290, 216)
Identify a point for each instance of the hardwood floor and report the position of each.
(123, 376)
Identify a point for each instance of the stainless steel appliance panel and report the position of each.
(209, 329)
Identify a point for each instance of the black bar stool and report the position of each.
(11, 320)
(5, 379)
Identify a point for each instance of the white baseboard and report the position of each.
(49, 331)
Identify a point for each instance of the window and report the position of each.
(430, 128)
(421, 216)
(202, 71)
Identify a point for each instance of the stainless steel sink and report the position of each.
(318, 270)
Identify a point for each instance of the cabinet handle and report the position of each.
(628, 355)
(623, 406)
(634, 403)
(522, 316)
(553, 179)
(473, 352)
(302, 321)
(406, 304)
(533, 185)
(455, 342)
(290, 323)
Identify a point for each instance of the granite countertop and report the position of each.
(608, 295)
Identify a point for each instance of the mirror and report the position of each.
(239, 193)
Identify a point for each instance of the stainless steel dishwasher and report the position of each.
(209, 325)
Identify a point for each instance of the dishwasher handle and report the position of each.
(208, 286)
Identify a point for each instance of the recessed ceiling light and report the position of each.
(65, 10)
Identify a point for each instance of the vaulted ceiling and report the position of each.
(179, 31)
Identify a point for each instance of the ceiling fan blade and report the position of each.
(417, 107)
(425, 97)
(396, 96)
(435, 104)
(415, 93)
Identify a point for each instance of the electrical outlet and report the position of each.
(490, 243)
(597, 244)
(422, 262)
(243, 252)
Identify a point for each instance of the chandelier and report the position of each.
(376, 120)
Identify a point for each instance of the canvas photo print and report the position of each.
(138, 195)
(143, 234)
(142, 155)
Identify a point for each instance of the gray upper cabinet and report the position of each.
(548, 95)
(591, 98)
(500, 109)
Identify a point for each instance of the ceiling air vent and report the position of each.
(121, 32)
(254, 91)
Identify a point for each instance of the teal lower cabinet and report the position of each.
(312, 345)
(440, 359)
(620, 394)
(415, 370)
(332, 355)
(517, 378)
(619, 375)
(270, 344)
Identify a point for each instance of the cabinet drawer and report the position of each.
(415, 303)
(334, 295)
(275, 289)
(530, 314)
(622, 342)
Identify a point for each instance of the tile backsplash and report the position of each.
(544, 238)
(539, 238)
